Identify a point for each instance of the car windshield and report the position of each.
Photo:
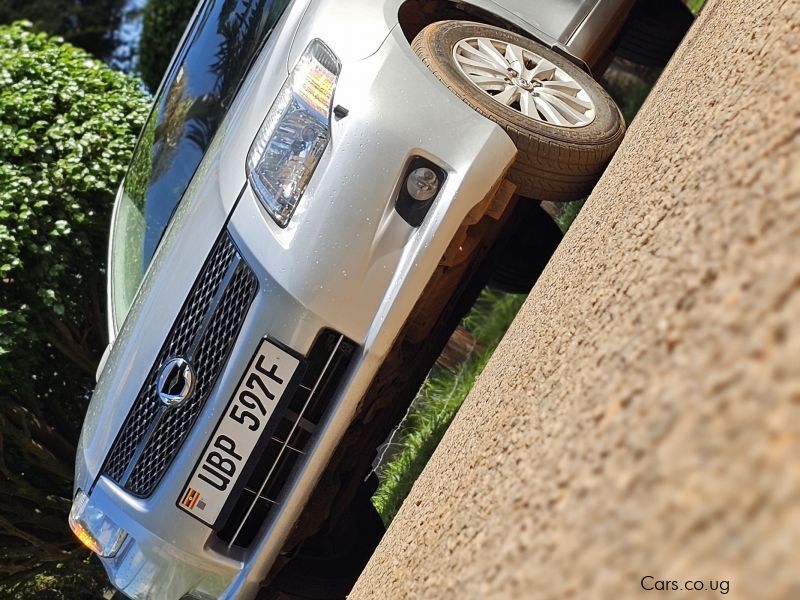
(220, 47)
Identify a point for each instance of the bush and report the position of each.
(163, 24)
(67, 128)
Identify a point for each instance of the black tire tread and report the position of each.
(527, 251)
(654, 31)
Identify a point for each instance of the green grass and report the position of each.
(438, 401)
(568, 214)
(631, 101)
(695, 6)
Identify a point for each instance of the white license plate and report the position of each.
(238, 431)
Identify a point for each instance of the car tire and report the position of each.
(561, 152)
(527, 250)
(653, 32)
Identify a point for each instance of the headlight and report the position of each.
(95, 530)
(294, 133)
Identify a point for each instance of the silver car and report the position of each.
(319, 192)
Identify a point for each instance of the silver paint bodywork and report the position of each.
(346, 261)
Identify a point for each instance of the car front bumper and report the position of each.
(347, 261)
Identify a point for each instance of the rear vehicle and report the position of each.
(320, 192)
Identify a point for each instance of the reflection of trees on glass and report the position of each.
(175, 113)
(243, 27)
(139, 175)
(221, 46)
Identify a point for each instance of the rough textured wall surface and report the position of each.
(642, 416)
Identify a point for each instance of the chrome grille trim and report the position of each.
(204, 333)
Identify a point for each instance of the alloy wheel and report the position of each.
(524, 81)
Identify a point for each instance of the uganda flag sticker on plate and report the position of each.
(192, 499)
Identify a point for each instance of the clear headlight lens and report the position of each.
(95, 530)
(294, 133)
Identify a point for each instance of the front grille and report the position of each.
(204, 333)
(291, 430)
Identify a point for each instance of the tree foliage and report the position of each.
(163, 24)
(89, 25)
(67, 128)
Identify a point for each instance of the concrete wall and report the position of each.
(642, 416)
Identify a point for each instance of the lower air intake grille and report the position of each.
(203, 334)
(291, 430)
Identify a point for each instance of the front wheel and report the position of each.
(565, 126)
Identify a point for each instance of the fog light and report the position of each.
(93, 528)
(422, 184)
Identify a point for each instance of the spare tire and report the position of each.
(565, 126)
